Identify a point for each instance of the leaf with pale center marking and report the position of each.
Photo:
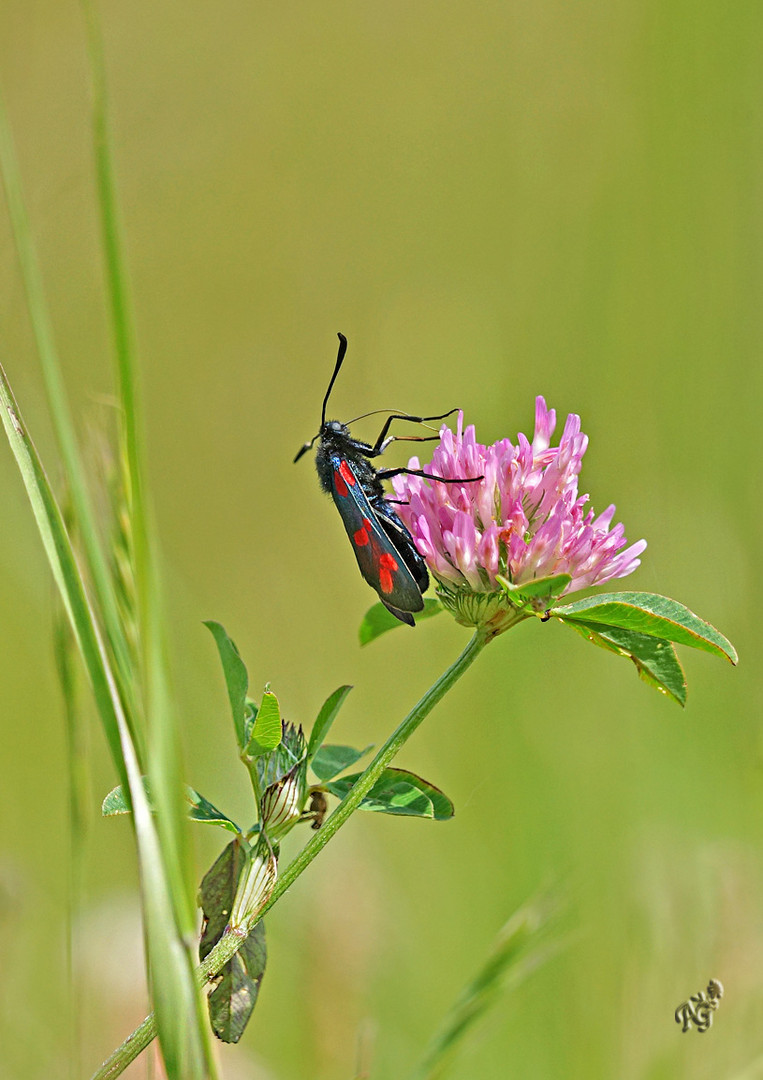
(399, 792)
(331, 760)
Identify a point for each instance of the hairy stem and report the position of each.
(231, 941)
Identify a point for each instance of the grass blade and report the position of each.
(116, 274)
(182, 1024)
(520, 947)
(61, 415)
(78, 777)
(66, 573)
(177, 994)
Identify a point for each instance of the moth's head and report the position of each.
(334, 427)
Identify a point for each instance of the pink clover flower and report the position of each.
(524, 520)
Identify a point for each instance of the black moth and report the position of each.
(384, 548)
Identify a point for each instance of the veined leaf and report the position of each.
(399, 792)
(648, 613)
(267, 730)
(655, 659)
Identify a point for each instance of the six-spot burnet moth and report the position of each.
(384, 548)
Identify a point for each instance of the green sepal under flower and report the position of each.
(489, 613)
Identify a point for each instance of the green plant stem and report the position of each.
(251, 768)
(232, 940)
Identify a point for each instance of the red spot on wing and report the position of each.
(361, 536)
(387, 566)
(344, 477)
(339, 484)
(347, 473)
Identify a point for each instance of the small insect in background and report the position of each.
(386, 554)
(699, 1008)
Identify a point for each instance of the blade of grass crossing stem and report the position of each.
(61, 415)
(176, 998)
(519, 948)
(177, 1037)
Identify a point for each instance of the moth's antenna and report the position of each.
(375, 412)
(339, 359)
(304, 449)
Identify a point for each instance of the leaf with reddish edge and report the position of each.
(650, 614)
(398, 792)
(655, 658)
(378, 620)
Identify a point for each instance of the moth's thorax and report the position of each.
(336, 441)
(333, 440)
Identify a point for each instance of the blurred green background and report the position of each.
(491, 201)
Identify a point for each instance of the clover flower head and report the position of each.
(524, 519)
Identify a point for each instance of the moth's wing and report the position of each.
(403, 541)
(380, 562)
